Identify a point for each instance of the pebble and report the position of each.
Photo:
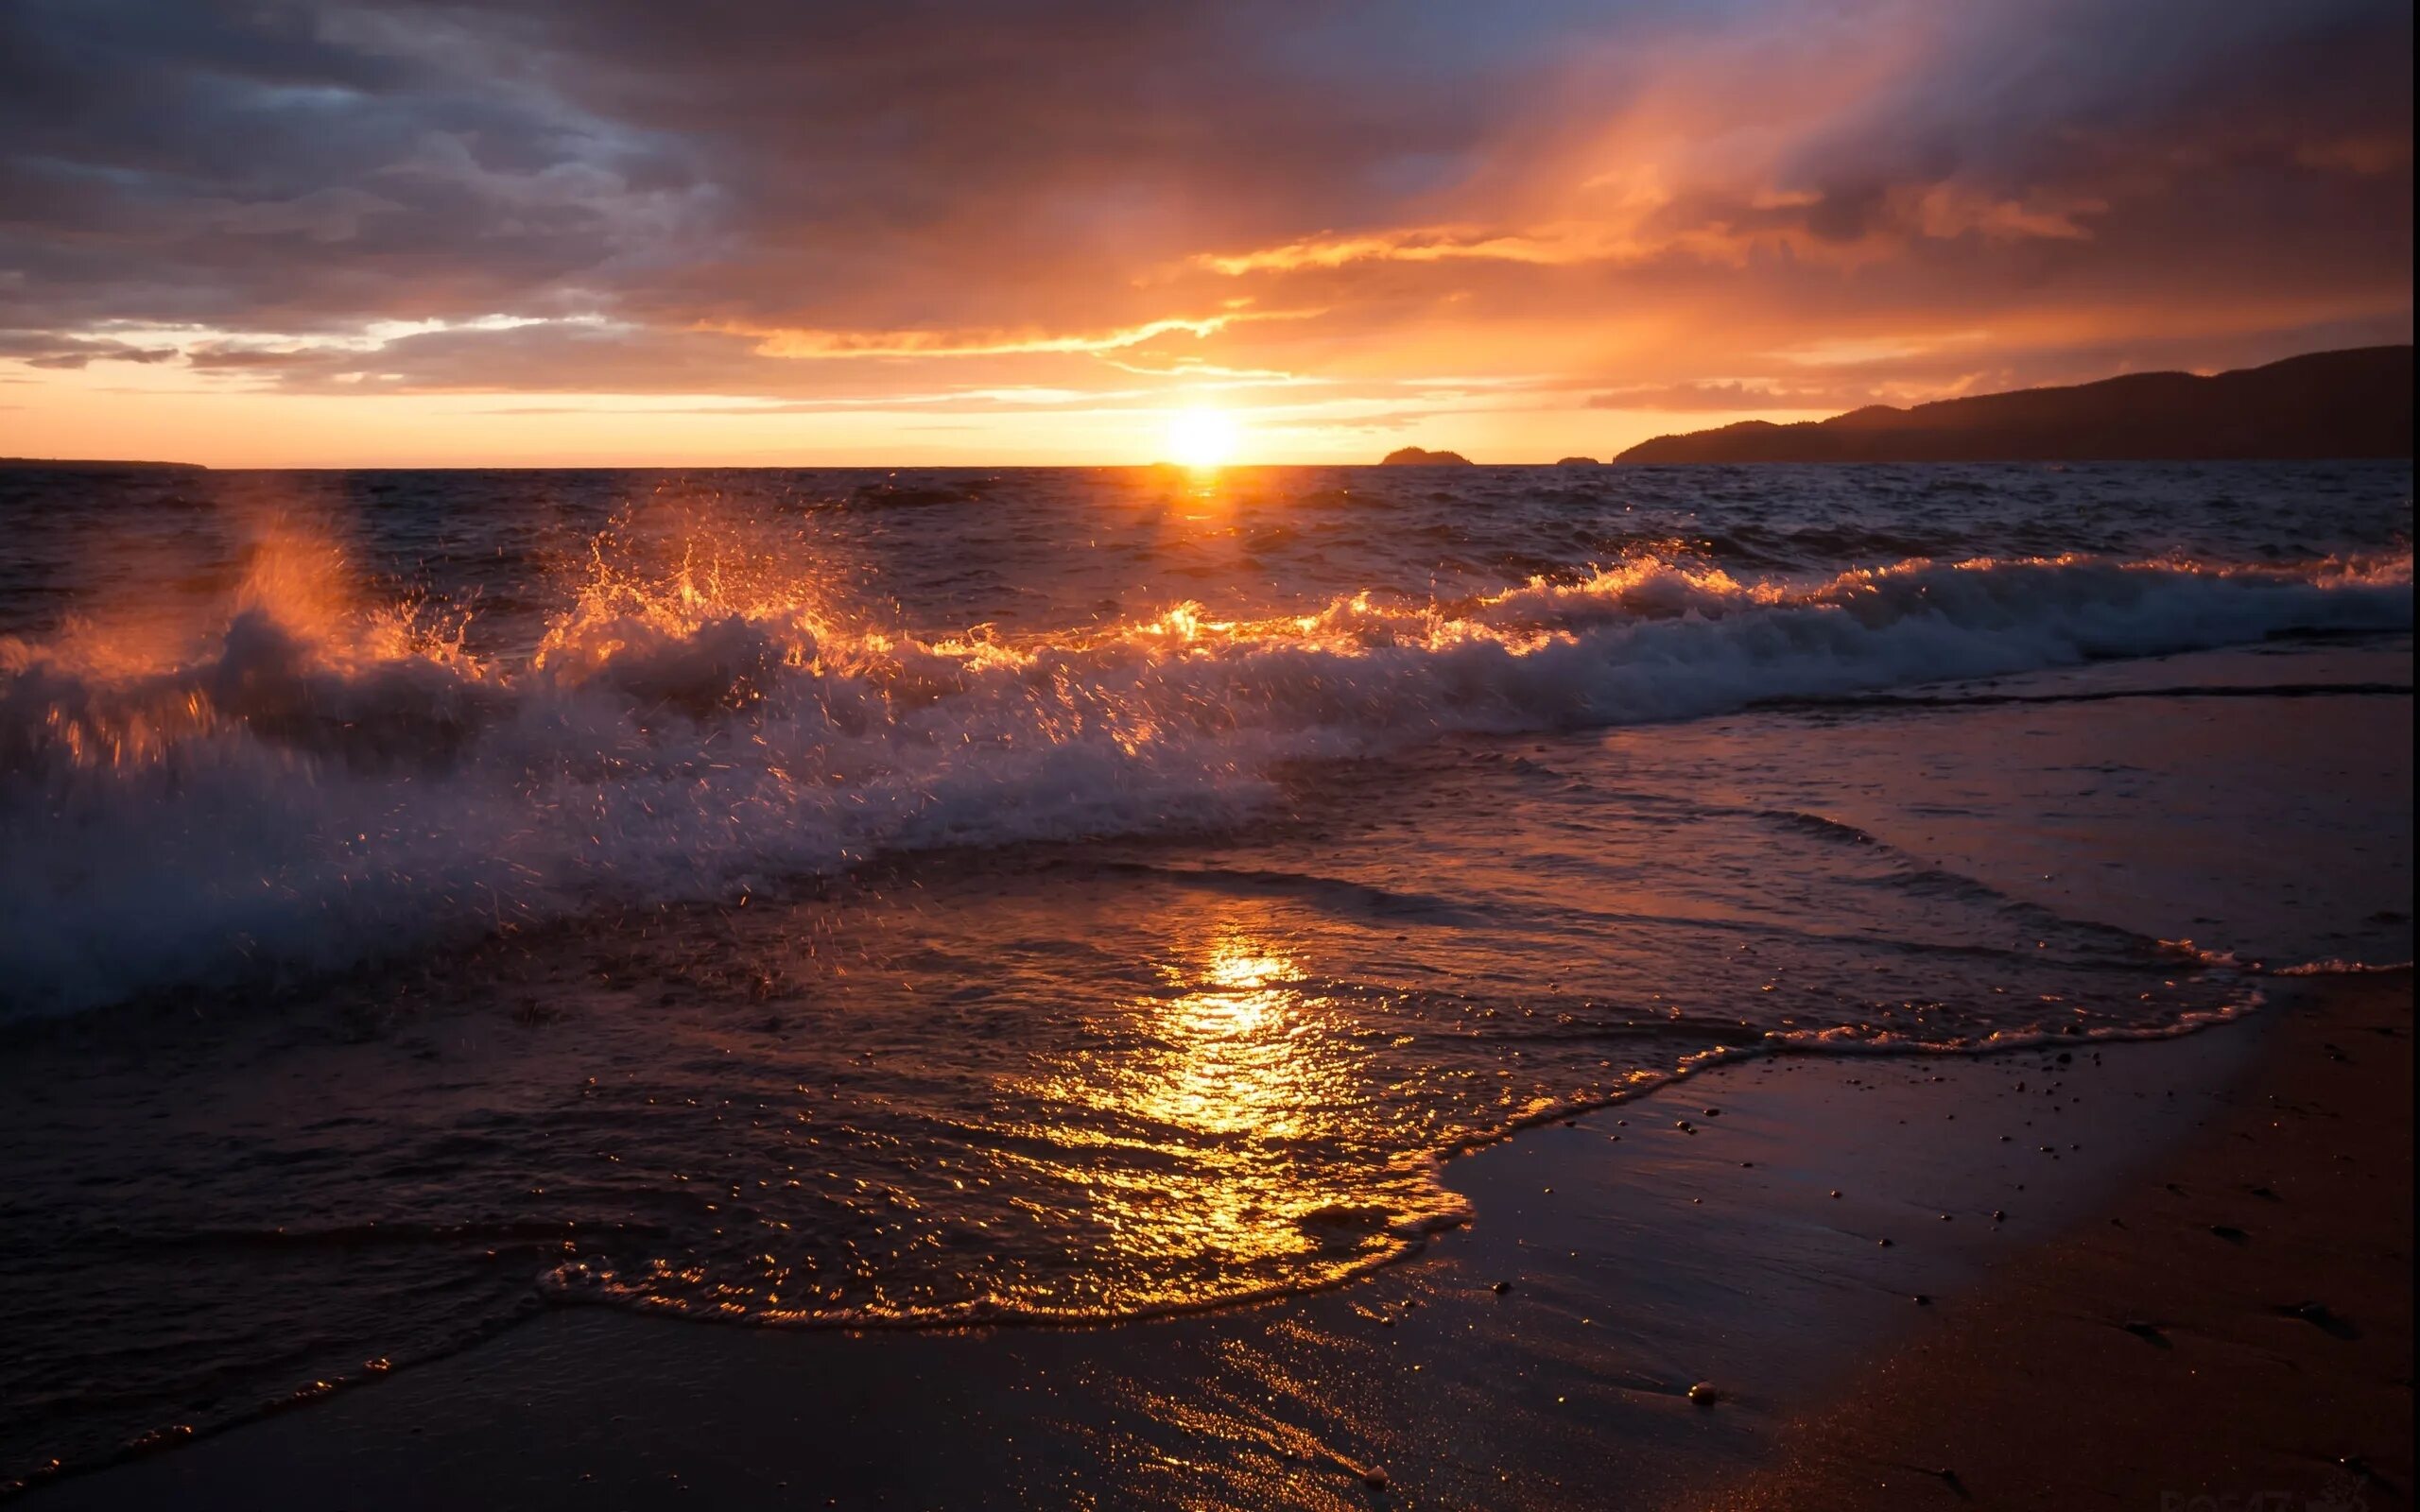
(1705, 1394)
(1501, 1287)
(1375, 1478)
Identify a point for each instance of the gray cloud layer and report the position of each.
(660, 186)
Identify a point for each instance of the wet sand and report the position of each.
(2236, 1328)
(1636, 1259)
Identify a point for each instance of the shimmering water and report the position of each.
(846, 898)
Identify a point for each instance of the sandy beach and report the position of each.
(2234, 1329)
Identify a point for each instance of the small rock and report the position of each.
(1501, 1287)
(1375, 1478)
(1922, 1300)
(1705, 1394)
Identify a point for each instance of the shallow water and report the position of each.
(841, 898)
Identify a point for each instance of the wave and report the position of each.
(317, 782)
(2335, 966)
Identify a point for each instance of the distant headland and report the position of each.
(2351, 404)
(1420, 456)
(90, 464)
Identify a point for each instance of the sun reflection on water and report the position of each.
(1226, 1096)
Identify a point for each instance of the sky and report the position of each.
(759, 232)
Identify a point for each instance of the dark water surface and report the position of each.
(848, 898)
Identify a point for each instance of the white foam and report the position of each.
(308, 791)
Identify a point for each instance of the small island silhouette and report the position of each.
(1420, 456)
(2350, 403)
(91, 464)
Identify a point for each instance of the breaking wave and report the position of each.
(313, 781)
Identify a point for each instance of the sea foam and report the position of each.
(317, 784)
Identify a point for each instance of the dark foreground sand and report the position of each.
(1639, 1258)
(2234, 1334)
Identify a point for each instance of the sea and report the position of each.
(866, 898)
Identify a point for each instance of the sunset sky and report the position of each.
(622, 231)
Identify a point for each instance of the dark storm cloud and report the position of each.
(2082, 108)
(671, 188)
(290, 165)
(291, 168)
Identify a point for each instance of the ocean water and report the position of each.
(858, 899)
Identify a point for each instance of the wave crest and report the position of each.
(321, 777)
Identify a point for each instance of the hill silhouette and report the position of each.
(2351, 404)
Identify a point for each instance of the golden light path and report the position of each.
(1237, 1068)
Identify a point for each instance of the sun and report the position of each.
(1201, 438)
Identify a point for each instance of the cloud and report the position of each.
(1654, 203)
(57, 350)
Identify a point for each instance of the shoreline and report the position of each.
(2236, 1331)
(1677, 1238)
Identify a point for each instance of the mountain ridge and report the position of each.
(2354, 402)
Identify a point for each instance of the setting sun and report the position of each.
(1202, 437)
